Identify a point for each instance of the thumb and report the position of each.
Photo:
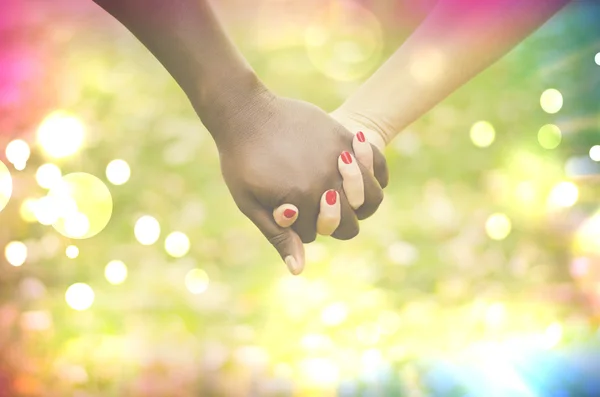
(285, 240)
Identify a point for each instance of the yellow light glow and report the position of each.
(316, 342)
(482, 134)
(146, 230)
(47, 175)
(525, 192)
(5, 185)
(37, 320)
(564, 194)
(196, 281)
(115, 272)
(341, 50)
(549, 136)
(495, 315)
(177, 244)
(588, 235)
(402, 253)
(118, 172)
(368, 334)
(553, 335)
(498, 226)
(18, 152)
(80, 296)
(20, 166)
(46, 210)
(389, 322)
(76, 225)
(595, 152)
(320, 371)
(551, 101)
(27, 210)
(60, 134)
(72, 251)
(83, 205)
(334, 314)
(15, 253)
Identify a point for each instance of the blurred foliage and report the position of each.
(420, 290)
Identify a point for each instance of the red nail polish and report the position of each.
(331, 197)
(346, 158)
(360, 136)
(288, 213)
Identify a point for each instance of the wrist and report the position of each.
(353, 121)
(224, 107)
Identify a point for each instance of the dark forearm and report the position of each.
(186, 37)
(458, 40)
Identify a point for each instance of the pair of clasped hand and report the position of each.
(293, 169)
(296, 171)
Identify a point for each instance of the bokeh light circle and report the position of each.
(80, 296)
(588, 235)
(597, 59)
(60, 134)
(482, 134)
(115, 272)
(17, 153)
(76, 225)
(15, 253)
(551, 101)
(549, 136)
(47, 175)
(118, 172)
(147, 230)
(564, 194)
(72, 252)
(334, 314)
(5, 185)
(196, 281)
(344, 41)
(82, 205)
(595, 152)
(553, 335)
(177, 244)
(47, 210)
(27, 210)
(498, 226)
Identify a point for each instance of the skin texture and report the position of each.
(276, 150)
(286, 151)
(273, 150)
(461, 38)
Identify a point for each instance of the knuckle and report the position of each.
(279, 239)
(376, 198)
(347, 234)
(309, 239)
(307, 235)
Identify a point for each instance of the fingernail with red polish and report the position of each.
(360, 136)
(346, 158)
(331, 197)
(288, 213)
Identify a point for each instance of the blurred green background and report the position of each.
(479, 275)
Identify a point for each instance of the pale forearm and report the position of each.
(458, 40)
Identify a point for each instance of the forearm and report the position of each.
(187, 39)
(459, 39)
